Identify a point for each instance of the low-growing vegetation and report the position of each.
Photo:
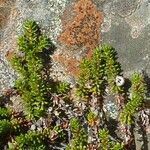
(58, 117)
(30, 65)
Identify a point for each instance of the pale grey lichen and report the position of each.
(111, 109)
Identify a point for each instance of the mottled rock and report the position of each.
(124, 8)
(125, 25)
(139, 19)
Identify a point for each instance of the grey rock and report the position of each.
(129, 34)
(124, 8)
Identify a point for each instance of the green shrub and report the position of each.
(104, 138)
(106, 143)
(112, 68)
(4, 113)
(63, 88)
(91, 79)
(5, 127)
(31, 84)
(96, 75)
(91, 118)
(138, 95)
(33, 140)
(79, 136)
(98, 72)
(37, 140)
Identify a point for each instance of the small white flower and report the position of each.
(120, 81)
(67, 105)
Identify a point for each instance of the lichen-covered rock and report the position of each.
(88, 23)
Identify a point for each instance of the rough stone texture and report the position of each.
(127, 29)
(125, 25)
(124, 8)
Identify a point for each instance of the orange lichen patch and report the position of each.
(6, 2)
(9, 55)
(68, 16)
(84, 28)
(81, 28)
(71, 64)
(2, 22)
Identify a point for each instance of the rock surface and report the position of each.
(125, 24)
